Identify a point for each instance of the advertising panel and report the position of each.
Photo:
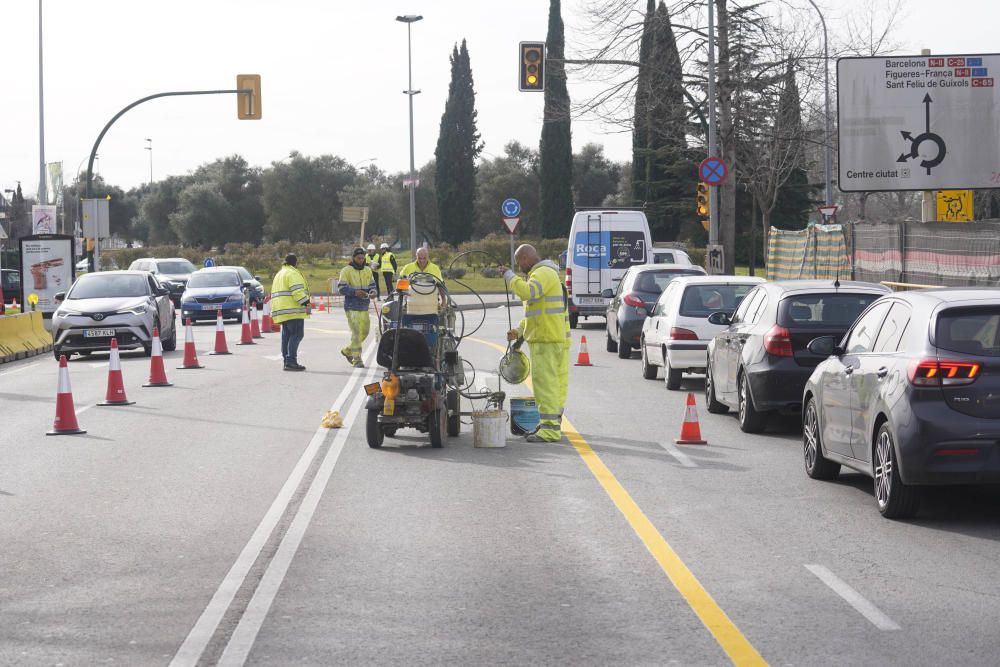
(46, 269)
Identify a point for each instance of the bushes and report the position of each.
(490, 272)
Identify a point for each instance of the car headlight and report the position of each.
(65, 312)
(134, 310)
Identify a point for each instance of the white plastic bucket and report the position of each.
(488, 428)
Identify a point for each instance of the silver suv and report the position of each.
(125, 305)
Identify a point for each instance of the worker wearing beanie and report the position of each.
(357, 284)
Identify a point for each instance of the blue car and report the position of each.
(212, 289)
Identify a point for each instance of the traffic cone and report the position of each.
(267, 326)
(690, 431)
(157, 374)
(14, 304)
(65, 422)
(246, 338)
(322, 307)
(220, 336)
(254, 322)
(583, 359)
(190, 354)
(116, 387)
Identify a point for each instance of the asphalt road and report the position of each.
(216, 522)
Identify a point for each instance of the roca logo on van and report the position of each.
(591, 250)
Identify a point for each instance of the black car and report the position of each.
(760, 364)
(910, 397)
(255, 292)
(10, 280)
(172, 273)
(634, 299)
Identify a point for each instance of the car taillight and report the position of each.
(934, 373)
(569, 280)
(677, 333)
(778, 342)
(634, 301)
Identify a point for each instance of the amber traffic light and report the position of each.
(702, 201)
(532, 66)
(248, 103)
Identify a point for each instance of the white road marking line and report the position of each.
(197, 640)
(22, 368)
(681, 457)
(853, 598)
(253, 618)
(84, 409)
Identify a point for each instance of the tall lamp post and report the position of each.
(149, 147)
(409, 20)
(826, 76)
(42, 180)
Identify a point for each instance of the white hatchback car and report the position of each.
(677, 333)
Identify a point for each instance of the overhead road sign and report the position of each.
(713, 171)
(918, 122)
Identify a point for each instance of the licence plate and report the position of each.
(98, 333)
(592, 301)
(390, 407)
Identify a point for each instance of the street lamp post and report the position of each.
(826, 76)
(42, 185)
(149, 147)
(409, 20)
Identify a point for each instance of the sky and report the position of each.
(332, 73)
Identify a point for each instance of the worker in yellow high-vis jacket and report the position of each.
(357, 284)
(545, 328)
(290, 308)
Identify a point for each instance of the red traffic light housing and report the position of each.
(702, 201)
(531, 64)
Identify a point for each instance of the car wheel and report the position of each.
(751, 421)
(895, 499)
(711, 402)
(648, 369)
(437, 423)
(817, 465)
(624, 349)
(170, 344)
(611, 345)
(671, 376)
(58, 353)
(574, 319)
(454, 420)
(373, 430)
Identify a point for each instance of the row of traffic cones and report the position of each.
(65, 421)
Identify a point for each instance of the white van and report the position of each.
(603, 244)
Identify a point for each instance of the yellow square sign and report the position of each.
(954, 205)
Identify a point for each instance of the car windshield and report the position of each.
(663, 258)
(175, 267)
(109, 285)
(703, 300)
(11, 280)
(244, 274)
(214, 279)
(655, 282)
(970, 331)
(825, 311)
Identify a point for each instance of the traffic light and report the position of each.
(248, 106)
(532, 67)
(703, 207)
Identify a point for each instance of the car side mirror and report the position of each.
(720, 318)
(60, 296)
(162, 291)
(824, 346)
(608, 294)
(247, 284)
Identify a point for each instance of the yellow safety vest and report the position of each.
(546, 318)
(387, 262)
(412, 267)
(422, 300)
(289, 295)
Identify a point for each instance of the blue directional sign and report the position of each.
(511, 208)
(712, 171)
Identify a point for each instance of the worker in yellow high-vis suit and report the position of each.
(357, 284)
(545, 328)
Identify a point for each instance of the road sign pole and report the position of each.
(928, 200)
(713, 195)
(512, 251)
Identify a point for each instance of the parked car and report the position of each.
(213, 289)
(910, 397)
(124, 305)
(172, 272)
(676, 334)
(634, 299)
(760, 362)
(10, 281)
(256, 290)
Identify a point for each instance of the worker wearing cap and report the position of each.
(388, 267)
(545, 328)
(357, 284)
(374, 263)
(290, 308)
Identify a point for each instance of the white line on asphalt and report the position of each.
(22, 368)
(207, 624)
(681, 457)
(246, 631)
(853, 598)
(84, 409)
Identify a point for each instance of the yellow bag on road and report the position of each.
(332, 419)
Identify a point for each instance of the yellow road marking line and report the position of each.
(725, 632)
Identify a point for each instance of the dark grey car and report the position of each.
(634, 299)
(171, 272)
(910, 397)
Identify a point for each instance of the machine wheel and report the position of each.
(437, 425)
(611, 345)
(712, 403)
(817, 465)
(389, 431)
(373, 430)
(454, 420)
(170, 344)
(574, 318)
(751, 421)
(648, 369)
(895, 499)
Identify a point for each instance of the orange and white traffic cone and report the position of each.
(246, 337)
(583, 359)
(190, 353)
(14, 304)
(65, 422)
(690, 431)
(220, 336)
(322, 307)
(157, 374)
(266, 325)
(254, 322)
(116, 386)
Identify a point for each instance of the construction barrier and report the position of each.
(22, 336)
(819, 251)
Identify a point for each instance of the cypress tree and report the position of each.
(556, 146)
(794, 200)
(640, 122)
(455, 156)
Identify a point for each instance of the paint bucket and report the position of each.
(524, 417)
(488, 428)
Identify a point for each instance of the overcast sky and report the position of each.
(332, 72)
